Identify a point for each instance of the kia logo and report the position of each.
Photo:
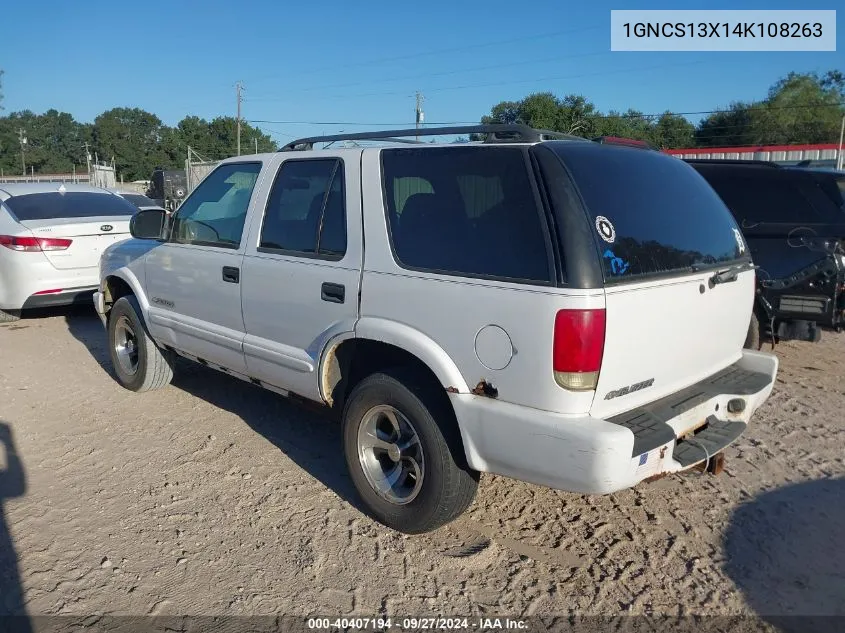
(106, 227)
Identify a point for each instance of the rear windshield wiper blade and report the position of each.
(731, 274)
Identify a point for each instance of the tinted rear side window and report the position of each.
(71, 204)
(768, 195)
(651, 213)
(466, 211)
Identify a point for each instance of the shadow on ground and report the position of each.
(12, 484)
(311, 439)
(784, 553)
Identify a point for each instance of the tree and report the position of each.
(673, 131)
(133, 138)
(801, 108)
(1, 89)
(729, 128)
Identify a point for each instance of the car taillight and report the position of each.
(578, 348)
(34, 244)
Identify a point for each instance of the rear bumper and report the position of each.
(594, 456)
(23, 275)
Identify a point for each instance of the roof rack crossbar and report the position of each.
(495, 133)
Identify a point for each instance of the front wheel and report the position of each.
(139, 363)
(404, 453)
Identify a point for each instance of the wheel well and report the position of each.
(354, 359)
(114, 290)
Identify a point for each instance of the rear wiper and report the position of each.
(731, 274)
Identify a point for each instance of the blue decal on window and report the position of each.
(618, 266)
(643, 458)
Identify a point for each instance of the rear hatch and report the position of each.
(83, 222)
(677, 273)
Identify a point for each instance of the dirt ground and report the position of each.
(215, 497)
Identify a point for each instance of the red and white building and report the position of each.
(826, 152)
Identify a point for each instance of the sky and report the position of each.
(322, 67)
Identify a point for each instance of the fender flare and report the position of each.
(129, 278)
(405, 338)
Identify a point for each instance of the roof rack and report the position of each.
(733, 161)
(495, 133)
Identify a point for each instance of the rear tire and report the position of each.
(404, 453)
(752, 339)
(9, 316)
(139, 363)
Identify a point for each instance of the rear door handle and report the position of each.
(231, 274)
(333, 293)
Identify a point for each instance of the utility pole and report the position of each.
(256, 144)
(238, 87)
(22, 139)
(839, 162)
(420, 115)
(88, 159)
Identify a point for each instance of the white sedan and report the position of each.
(51, 237)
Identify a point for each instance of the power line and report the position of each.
(591, 115)
(454, 49)
(557, 58)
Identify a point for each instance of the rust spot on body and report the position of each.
(484, 388)
(451, 389)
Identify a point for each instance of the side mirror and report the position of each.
(149, 224)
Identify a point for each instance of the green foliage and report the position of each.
(137, 141)
(800, 108)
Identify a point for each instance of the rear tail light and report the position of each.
(34, 244)
(578, 348)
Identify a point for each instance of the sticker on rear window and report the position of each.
(605, 229)
(618, 266)
(740, 243)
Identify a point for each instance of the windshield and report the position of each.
(71, 204)
(652, 214)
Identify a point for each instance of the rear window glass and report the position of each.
(138, 200)
(650, 213)
(766, 195)
(465, 211)
(71, 204)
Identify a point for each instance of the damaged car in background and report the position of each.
(794, 222)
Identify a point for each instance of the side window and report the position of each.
(469, 211)
(306, 212)
(214, 214)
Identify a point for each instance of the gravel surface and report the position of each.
(213, 496)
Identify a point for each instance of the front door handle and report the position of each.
(231, 274)
(333, 293)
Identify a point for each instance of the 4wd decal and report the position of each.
(624, 391)
(605, 229)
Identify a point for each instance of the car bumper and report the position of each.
(594, 456)
(73, 296)
(24, 278)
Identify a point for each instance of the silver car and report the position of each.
(51, 237)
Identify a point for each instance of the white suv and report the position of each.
(566, 312)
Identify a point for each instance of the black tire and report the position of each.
(9, 316)
(752, 339)
(154, 366)
(448, 485)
